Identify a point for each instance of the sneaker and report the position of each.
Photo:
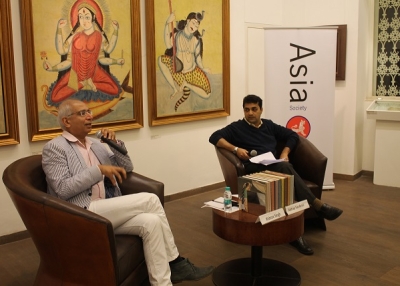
(185, 270)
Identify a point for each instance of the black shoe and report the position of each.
(185, 270)
(328, 212)
(302, 246)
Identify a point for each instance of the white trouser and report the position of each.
(142, 214)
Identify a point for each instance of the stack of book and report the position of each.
(274, 190)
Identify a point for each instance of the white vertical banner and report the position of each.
(300, 70)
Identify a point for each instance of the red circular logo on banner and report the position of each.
(300, 125)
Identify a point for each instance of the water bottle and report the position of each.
(227, 200)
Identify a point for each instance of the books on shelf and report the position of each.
(274, 190)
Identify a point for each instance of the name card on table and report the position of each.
(296, 207)
(271, 216)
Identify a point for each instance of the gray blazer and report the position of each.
(67, 175)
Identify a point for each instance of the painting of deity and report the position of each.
(87, 50)
(188, 60)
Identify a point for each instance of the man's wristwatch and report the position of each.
(235, 150)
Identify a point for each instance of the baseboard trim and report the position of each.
(14, 237)
(353, 177)
(367, 174)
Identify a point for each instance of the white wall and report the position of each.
(354, 136)
(179, 154)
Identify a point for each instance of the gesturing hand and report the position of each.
(115, 24)
(171, 18)
(61, 23)
(113, 173)
(109, 134)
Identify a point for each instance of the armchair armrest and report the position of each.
(231, 167)
(233, 159)
(136, 183)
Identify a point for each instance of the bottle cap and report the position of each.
(227, 189)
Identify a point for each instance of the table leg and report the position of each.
(255, 271)
(256, 260)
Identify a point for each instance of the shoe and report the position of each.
(328, 212)
(185, 270)
(302, 246)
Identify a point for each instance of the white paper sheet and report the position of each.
(265, 159)
(218, 204)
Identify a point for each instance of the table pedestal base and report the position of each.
(239, 272)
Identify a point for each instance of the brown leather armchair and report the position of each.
(76, 246)
(306, 159)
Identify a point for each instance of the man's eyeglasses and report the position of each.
(81, 112)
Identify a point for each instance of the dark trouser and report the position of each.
(301, 191)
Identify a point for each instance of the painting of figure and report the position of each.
(188, 58)
(83, 49)
(2, 115)
(182, 64)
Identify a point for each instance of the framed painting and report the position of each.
(341, 52)
(84, 49)
(9, 133)
(187, 60)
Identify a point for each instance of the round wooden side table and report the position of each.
(240, 227)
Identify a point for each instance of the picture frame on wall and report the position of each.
(187, 69)
(82, 49)
(9, 132)
(341, 52)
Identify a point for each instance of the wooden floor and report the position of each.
(362, 247)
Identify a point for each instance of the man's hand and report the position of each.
(113, 173)
(284, 157)
(285, 154)
(109, 134)
(242, 154)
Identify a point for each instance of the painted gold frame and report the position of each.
(220, 22)
(8, 93)
(33, 57)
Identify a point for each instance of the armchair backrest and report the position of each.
(309, 163)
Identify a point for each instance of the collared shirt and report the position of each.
(98, 190)
(251, 124)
